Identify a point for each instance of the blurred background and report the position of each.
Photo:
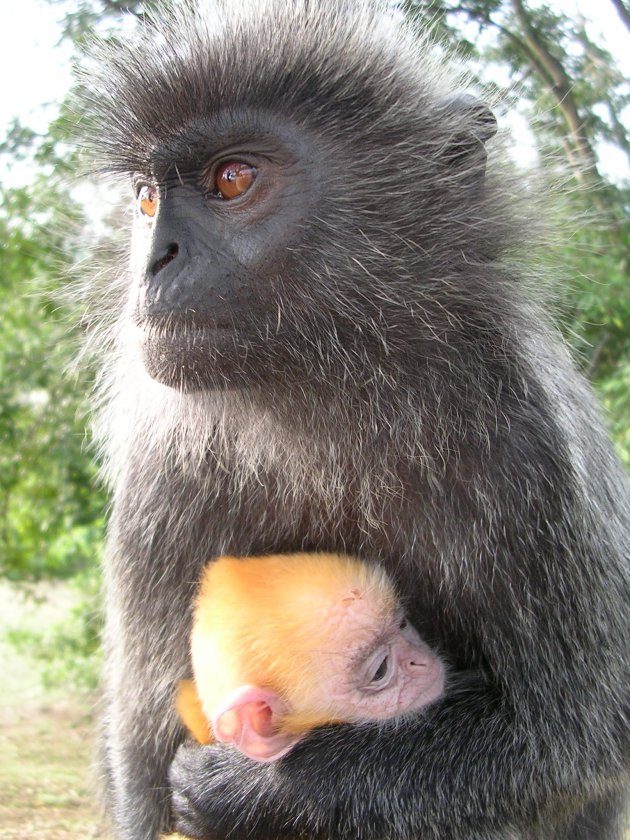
(561, 71)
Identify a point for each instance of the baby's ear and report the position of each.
(250, 718)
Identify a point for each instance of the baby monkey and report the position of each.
(285, 643)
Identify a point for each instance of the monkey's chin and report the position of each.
(192, 361)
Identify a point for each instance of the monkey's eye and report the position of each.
(233, 179)
(403, 624)
(381, 671)
(148, 201)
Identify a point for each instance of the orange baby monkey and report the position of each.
(285, 643)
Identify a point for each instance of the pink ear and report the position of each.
(248, 718)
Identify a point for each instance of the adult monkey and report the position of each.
(324, 345)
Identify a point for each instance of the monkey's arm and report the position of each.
(407, 781)
(373, 783)
(546, 724)
(498, 756)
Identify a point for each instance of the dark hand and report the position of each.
(217, 792)
(348, 783)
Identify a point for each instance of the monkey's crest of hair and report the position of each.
(320, 60)
(375, 96)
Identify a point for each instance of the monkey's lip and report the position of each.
(435, 689)
(191, 357)
(187, 338)
(174, 327)
(188, 346)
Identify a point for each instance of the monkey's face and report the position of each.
(218, 217)
(298, 221)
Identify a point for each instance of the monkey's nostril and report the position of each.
(169, 256)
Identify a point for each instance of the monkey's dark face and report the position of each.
(214, 224)
(297, 221)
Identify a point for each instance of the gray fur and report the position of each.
(422, 411)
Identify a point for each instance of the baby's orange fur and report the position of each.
(263, 620)
(191, 712)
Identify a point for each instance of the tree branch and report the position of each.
(623, 11)
(562, 89)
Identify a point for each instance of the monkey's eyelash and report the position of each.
(139, 181)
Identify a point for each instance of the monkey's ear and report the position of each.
(474, 124)
(249, 718)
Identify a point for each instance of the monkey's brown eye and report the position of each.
(233, 179)
(148, 200)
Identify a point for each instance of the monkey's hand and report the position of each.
(411, 778)
(332, 785)
(219, 793)
(214, 790)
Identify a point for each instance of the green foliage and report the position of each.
(598, 316)
(68, 651)
(51, 517)
(88, 16)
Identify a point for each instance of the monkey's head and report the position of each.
(304, 205)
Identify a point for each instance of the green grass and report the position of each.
(46, 737)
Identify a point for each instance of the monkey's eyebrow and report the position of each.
(380, 639)
(388, 631)
(196, 145)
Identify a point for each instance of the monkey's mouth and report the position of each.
(435, 683)
(192, 357)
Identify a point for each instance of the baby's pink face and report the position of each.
(377, 666)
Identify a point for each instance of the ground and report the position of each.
(46, 740)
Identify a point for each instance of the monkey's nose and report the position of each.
(172, 251)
